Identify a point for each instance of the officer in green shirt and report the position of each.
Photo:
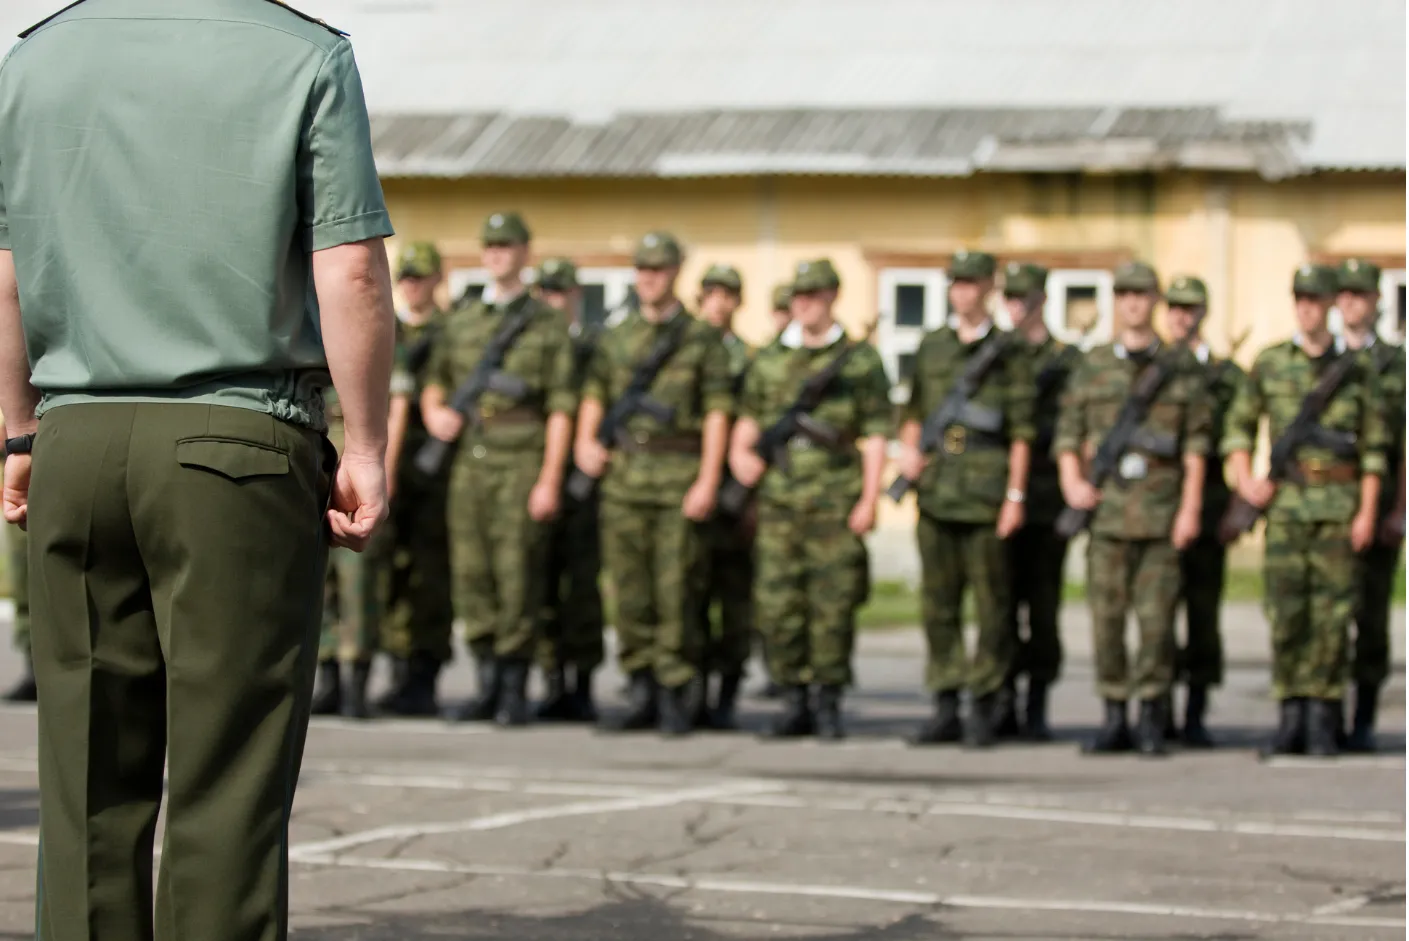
(972, 492)
(24, 690)
(1318, 520)
(191, 242)
(1358, 301)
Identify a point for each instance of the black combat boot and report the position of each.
(829, 724)
(1195, 735)
(723, 716)
(1323, 723)
(25, 690)
(400, 667)
(1149, 731)
(1035, 727)
(770, 690)
(513, 694)
(796, 718)
(944, 726)
(1168, 726)
(696, 701)
(677, 709)
(1114, 734)
(557, 703)
(1290, 737)
(1362, 730)
(979, 731)
(1004, 720)
(483, 707)
(644, 711)
(417, 699)
(581, 706)
(354, 690)
(327, 696)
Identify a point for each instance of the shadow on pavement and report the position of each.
(19, 809)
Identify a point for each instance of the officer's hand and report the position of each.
(1080, 495)
(359, 502)
(747, 468)
(699, 501)
(591, 458)
(444, 422)
(16, 494)
(911, 463)
(863, 517)
(1186, 529)
(543, 502)
(1392, 530)
(1259, 492)
(1010, 518)
(1362, 529)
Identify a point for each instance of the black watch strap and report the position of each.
(21, 445)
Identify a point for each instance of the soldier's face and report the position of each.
(655, 285)
(966, 296)
(813, 309)
(1357, 307)
(1134, 308)
(1311, 313)
(781, 319)
(418, 292)
(565, 301)
(504, 261)
(717, 306)
(1183, 321)
(1019, 307)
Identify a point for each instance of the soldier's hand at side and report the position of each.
(863, 517)
(699, 501)
(591, 458)
(359, 502)
(444, 423)
(1392, 530)
(910, 462)
(1259, 492)
(1186, 529)
(1362, 529)
(747, 468)
(543, 502)
(1080, 495)
(1010, 518)
(16, 498)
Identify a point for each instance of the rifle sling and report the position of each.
(1313, 405)
(494, 352)
(1147, 385)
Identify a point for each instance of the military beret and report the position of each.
(1136, 276)
(657, 250)
(504, 228)
(971, 266)
(1357, 274)
(816, 275)
(1187, 291)
(1315, 281)
(1022, 278)
(782, 295)
(418, 260)
(557, 274)
(723, 276)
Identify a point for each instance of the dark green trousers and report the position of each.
(1310, 574)
(1139, 575)
(354, 597)
(955, 557)
(1202, 568)
(419, 611)
(729, 582)
(1037, 559)
(19, 584)
(1379, 565)
(573, 623)
(177, 553)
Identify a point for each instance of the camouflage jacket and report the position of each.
(414, 341)
(967, 475)
(1222, 378)
(1281, 378)
(856, 404)
(1178, 420)
(1052, 364)
(1388, 360)
(694, 382)
(740, 356)
(541, 357)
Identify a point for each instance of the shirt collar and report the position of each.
(791, 337)
(983, 329)
(1202, 353)
(1122, 353)
(1337, 342)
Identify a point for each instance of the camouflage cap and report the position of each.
(657, 250)
(417, 260)
(1022, 278)
(557, 274)
(971, 266)
(1136, 276)
(1187, 291)
(816, 275)
(782, 295)
(504, 228)
(1357, 274)
(723, 276)
(1315, 281)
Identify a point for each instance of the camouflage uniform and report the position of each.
(1131, 563)
(1310, 571)
(24, 690)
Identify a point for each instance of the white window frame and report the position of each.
(1391, 280)
(461, 278)
(893, 340)
(1055, 311)
(615, 282)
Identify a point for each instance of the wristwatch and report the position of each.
(1015, 496)
(21, 445)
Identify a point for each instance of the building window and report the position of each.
(1392, 304)
(912, 301)
(1080, 305)
(466, 285)
(603, 291)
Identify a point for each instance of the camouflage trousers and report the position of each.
(812, 574)
(572, 623)
(655, 559)
(19, 585)
(1379, 566)
(419, 612)
(1138, 574)
(1037, 559)
(1310, 585)
(498, 554)
(1202, 568)
(354, 597)
(955, 557)
(728, 582)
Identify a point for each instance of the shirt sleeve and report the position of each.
(1240, 428)
(875, 410)
(560, 392)
(1071, 419)
(597, 382)
(750, 404)
(915, 405)
(340, 195)
(716, 378)
(440, 366)
(1020, 407)
(1374, 431)
(1198, 412)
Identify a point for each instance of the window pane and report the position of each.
(1080, 310)
(909, 305)
(907, 368)
(594, 304)
(1399, 309)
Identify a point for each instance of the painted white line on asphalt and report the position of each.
(491, 785)
(1344, 906)
(19, 764)
(1341, 763)
(20, 838)
(856, 893)
(517, 817)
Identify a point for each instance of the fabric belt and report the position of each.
(517, 415)
(1318, 473)
(647, 443)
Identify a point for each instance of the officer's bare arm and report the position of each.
(354, 294)
(18, 398)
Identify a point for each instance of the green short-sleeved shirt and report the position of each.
(165, 171)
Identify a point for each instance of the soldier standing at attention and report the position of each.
(1358, 301)
(659, 479)
(24, 690)
(729, 541)
(1202, 565)
(816, 503)
(571, 648)
(971, 498)
(1036, 554)
(507, 474)
(182, 490)
(1319, 518)
(1145, 514)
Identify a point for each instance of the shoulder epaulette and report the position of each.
(52, 16)
(304, 16)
